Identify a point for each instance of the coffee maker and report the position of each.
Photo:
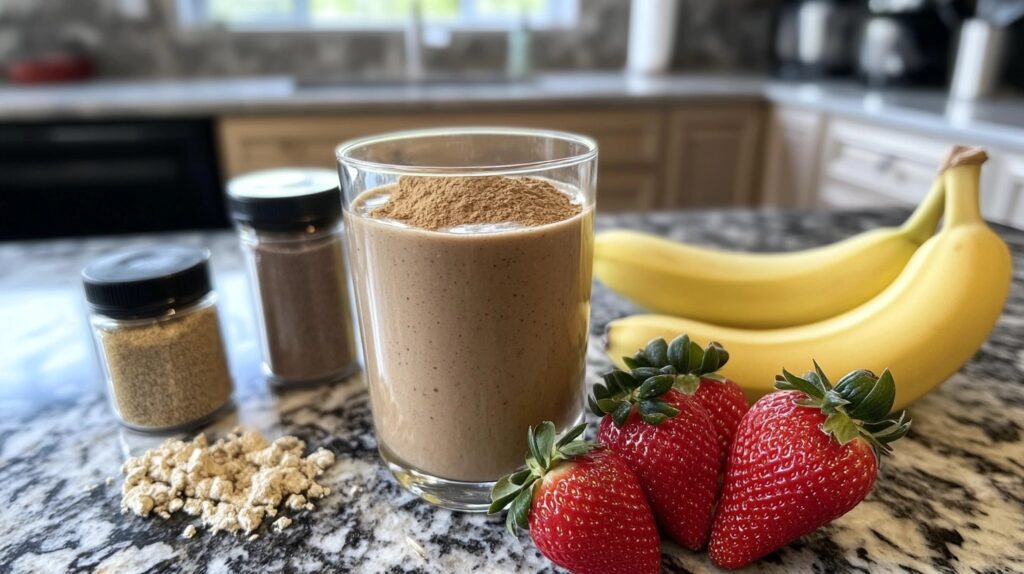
(816, 38)
(908, 42)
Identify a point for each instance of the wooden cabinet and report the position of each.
(789, 166)
(713, 155)
(650, 156)
(630, 142)
(683, 155)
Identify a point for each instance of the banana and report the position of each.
(923, 327)
(760, 290)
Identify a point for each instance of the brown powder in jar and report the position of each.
(303, 295)
(444, 202)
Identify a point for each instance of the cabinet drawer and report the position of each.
(883, 161)
(626, 138)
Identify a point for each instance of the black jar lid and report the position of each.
(288, 199)
(146, 281)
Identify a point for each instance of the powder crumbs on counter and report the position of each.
(231, 485)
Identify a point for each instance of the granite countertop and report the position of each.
(950, 500)
(998, 121)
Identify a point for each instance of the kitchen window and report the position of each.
(377, 14)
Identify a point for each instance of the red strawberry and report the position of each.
(583, 506)
(802, 458)
(695, 369)
(669, 441)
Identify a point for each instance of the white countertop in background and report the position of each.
(998, 121)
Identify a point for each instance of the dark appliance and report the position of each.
(816, 38)
(908, 42)
(1014, 73)
(88, 178)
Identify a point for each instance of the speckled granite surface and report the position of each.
(952, 500)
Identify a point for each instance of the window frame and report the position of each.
(558, 15)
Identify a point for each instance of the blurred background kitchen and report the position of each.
(121, 116)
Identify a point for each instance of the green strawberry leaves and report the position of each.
(856, 407)
(545, 453)
(873, 397)
(620, 391)
(657, 352)
(653, 371)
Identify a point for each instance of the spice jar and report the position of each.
(154, 317)
(289, 223)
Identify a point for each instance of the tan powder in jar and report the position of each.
(167, 373)
(444, 202)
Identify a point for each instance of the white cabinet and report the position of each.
(1007, 202)
(881, 165)
(865, 166)
(790, 161)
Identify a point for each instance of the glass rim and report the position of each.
(342, 151)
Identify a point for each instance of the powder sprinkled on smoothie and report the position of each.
(444, 202)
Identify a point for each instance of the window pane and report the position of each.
(380, 10)
(354, 13)
(492, 8)
(251, 10)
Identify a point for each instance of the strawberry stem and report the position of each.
(544, 455)
(855, 407)
(655, 369)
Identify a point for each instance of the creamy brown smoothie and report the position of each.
(474, 301)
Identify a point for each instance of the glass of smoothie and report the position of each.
(471, 259)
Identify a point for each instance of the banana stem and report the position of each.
(963, 186)
(922, 223)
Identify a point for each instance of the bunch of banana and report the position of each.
(923, 326)
(760, 290)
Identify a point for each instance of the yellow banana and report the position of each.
(923, 327)
(760, 290)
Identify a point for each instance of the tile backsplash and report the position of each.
(143, 38)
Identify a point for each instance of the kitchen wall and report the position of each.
(713, 34)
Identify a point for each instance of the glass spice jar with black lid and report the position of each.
(154, 318)
(289, 225)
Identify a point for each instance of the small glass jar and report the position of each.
(289, 225)
(154, 318)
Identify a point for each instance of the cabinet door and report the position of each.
(627, 189)
(791, 150)
(712, 158)
(630, 142)
(1007, 201)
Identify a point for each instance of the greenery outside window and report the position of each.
(377, 14)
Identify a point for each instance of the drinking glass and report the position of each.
(470, 334)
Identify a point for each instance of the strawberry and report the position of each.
(695, 369)
(669, 441)
(802, 457)
(582, 504)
